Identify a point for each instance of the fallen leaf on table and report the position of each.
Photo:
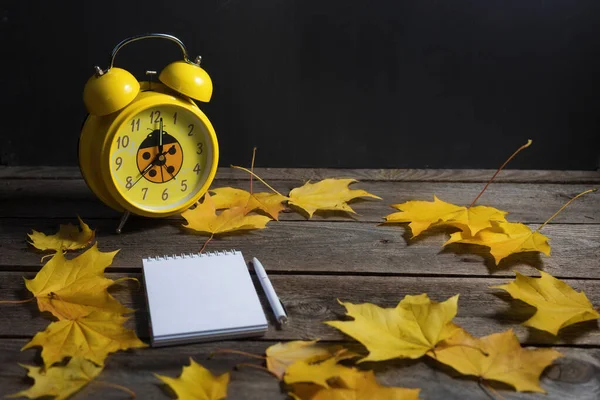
(204, 218)
(68, 237)
(506, 361)
(364, 387)
(92, 337)
(504, 239)
(328, 194)
(228, 197)
(558, 305)
(197, 383)
(59, 381)
(421, 215)
(281, 355)
(319, 372)
(70, 289)
(411, 329)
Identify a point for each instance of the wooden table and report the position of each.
(313, 263)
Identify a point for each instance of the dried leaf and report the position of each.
(197, 383)
(328, 194)
(411, 329)
(281, 355)
(421, 215)
(558, 305)
(59, 381)
(228, 197)
(505, 361)
(92, 337)
(68, 237)
(70, 289)
(364, 387)
(504, 239)
(204, 218)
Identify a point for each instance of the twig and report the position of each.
(500, 169)
(565, 206)
(16, 301)
(205, 243)
(257, 177)
(115, 386)
(242, 353)
(484, 385)
(252, 168)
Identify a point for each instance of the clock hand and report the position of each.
(160, 137)
(148, 167)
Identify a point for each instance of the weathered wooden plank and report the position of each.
(321, 247)
(576, 375)
(530, 203)
(311, 300)
(397, 175)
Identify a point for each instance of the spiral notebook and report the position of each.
(201, 297)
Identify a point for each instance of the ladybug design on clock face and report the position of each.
(166, 156)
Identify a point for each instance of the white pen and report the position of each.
(278, 310)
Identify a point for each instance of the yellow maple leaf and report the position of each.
(421, 215)
(197, 383)
(59, 381)
(281, 355)
(506, 361)
(70, 289)
(504, 239)
(204, 218)
(409, 330)
(92, 337)
(68, 237)
(318, 372)
(228, 197)
(364, 387)
(558, 305)
(328, 194)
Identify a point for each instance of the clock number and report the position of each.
(119, 162)
(184, 185)
(200, 148)
(191, 126)
(175, 119)
(154, 117)
(197, 169)
(145, 190)
(129, 182)
(165, 195)
(122, 141)
(135, 125)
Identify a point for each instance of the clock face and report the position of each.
(160, 158)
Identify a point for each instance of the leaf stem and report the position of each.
(205, 243)
(526, 145)
(16, 301)
(257, 367)
(483, 384)
(257, 177)
(252, 167)
(565, 206)
(230, 351)
(115, 386)
(127, 278)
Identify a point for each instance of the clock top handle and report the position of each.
(136, 38)
(110, 90)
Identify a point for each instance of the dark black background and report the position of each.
(326, 83)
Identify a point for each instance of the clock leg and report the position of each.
(124, 218)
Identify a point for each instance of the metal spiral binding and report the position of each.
(191, 255)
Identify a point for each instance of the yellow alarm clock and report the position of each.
(145, 147)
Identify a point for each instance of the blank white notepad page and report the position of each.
(199, 294)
